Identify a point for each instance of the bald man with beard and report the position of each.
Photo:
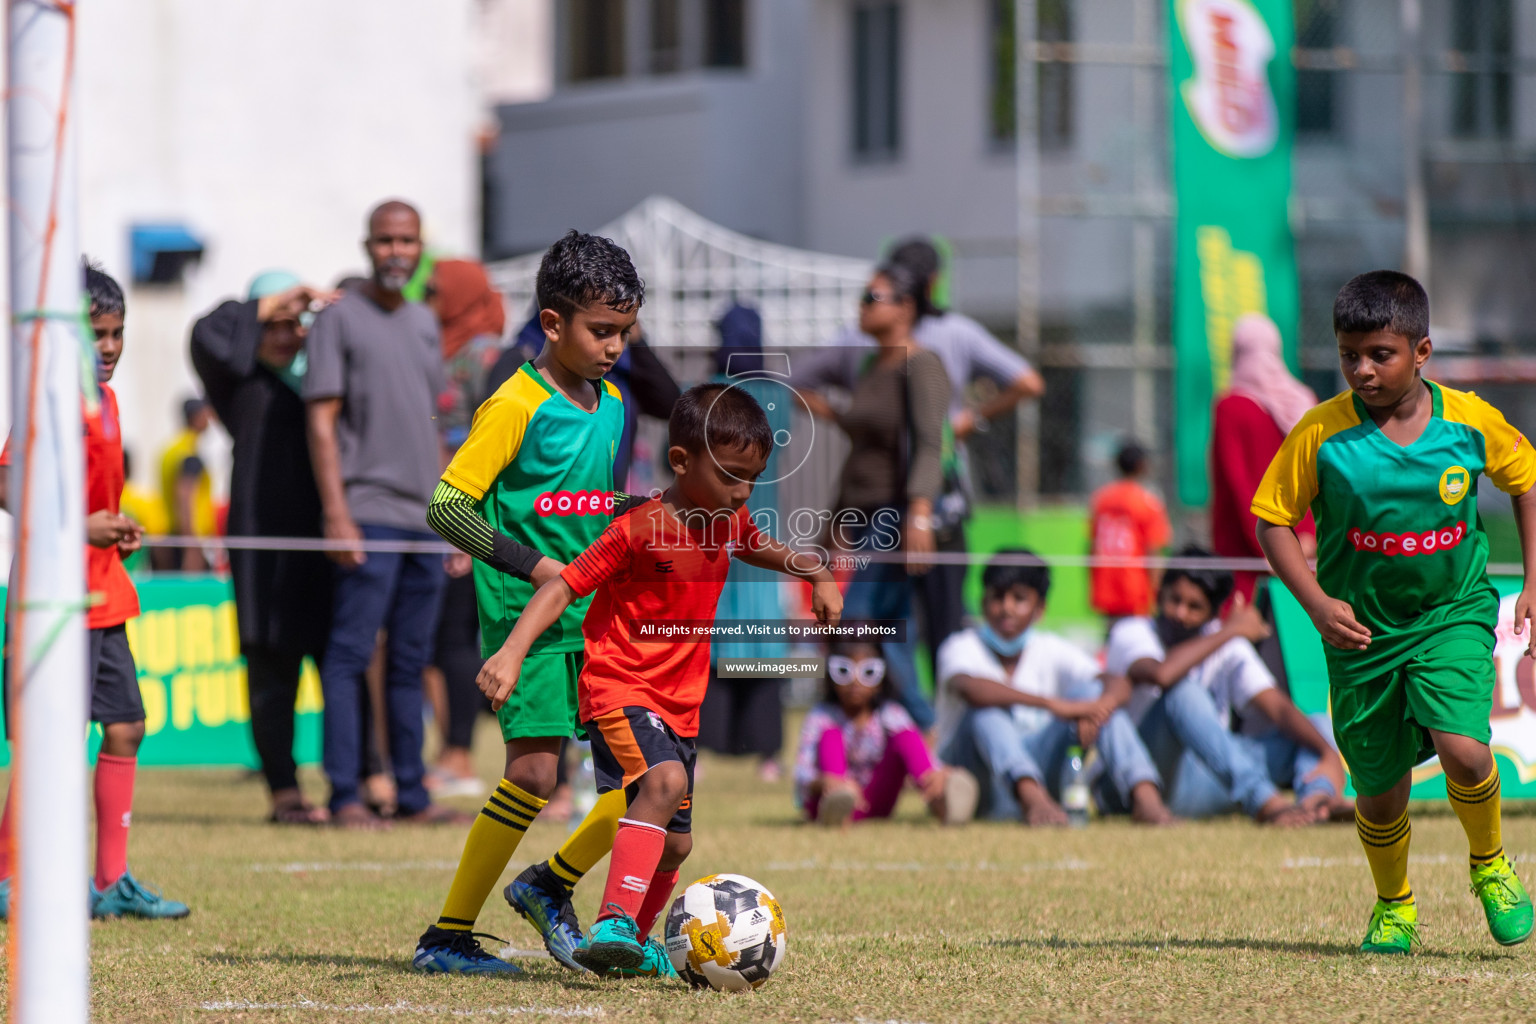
(375, 371)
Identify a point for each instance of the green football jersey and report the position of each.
(1398, 532)
(542, 469)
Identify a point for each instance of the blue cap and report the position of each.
(270, 282)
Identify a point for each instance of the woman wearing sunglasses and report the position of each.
(859, 747)
(898, 396)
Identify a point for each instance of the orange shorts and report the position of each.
(627, 743)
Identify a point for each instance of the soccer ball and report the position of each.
(725, 932)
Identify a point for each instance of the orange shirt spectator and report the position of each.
(1128, 521)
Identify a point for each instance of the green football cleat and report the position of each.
(1505, 902)
(1394, 928)
(614, 944)
(655, 965)
(127, 898)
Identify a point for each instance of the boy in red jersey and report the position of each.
(113, 679)
(666, 561)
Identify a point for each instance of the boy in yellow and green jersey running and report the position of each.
(529, 490)
(1390, 470)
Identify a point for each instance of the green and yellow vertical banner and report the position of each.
(197, 710)
(1234, 90)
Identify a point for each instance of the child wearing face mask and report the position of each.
(1221, 733)
(859, 747)
(1014, 699)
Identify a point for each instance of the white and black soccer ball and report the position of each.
(725, 932)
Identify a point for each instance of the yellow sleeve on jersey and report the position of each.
(1290, 483)
(495, 436)
(1508, 459)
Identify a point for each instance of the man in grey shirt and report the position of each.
(371, 388)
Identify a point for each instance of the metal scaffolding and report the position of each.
(1404, 87)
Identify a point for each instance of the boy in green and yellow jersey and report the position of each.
(1390, 470)
(529, 490)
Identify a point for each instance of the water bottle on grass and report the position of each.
(1074, 788)
(583, 785)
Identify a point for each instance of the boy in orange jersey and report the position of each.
(665, 561)
(1128, 521)
(115, 702)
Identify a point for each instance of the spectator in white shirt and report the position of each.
(1013, 699)
(1222, 735)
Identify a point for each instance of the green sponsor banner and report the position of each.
(191, 675)
(1514, 690)
(1233, 93)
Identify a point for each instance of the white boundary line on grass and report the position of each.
(817, 864)
(404, 1007)
(299, 867)
(1295, 863)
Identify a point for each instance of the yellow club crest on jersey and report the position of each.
(1454, 484)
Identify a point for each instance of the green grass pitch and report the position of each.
(897, 921)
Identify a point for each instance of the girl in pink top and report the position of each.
(859, 746)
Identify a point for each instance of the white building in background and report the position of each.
(831, 125)
(838, 125)
(266, 129)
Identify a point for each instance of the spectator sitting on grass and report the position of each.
(1197, 676)
(1013, 699)
(859, 746)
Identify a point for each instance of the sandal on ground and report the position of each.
(298, 812)
(436, 814)
(358, 818)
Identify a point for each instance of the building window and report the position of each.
(877, 80)
(1054, 80)
(597, 39)
(666, 37)
(1481, 31)
(725, 33)
(1317, 24)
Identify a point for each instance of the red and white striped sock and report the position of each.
(637, 849)
(6, 867)
(662, 884)
(114, 813)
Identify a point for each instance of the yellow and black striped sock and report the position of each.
(591, 841)
(1478, 808)
(1386, 850)
(493, 838)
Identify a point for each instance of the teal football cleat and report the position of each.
(655, 965)
(127, 898)
(543, 902)
(613, 945)
(440, 951)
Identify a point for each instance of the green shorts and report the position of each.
(1382, 724)
(543, 703)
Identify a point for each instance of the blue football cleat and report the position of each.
(543, 902)
(127, 898)
(440, 951)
